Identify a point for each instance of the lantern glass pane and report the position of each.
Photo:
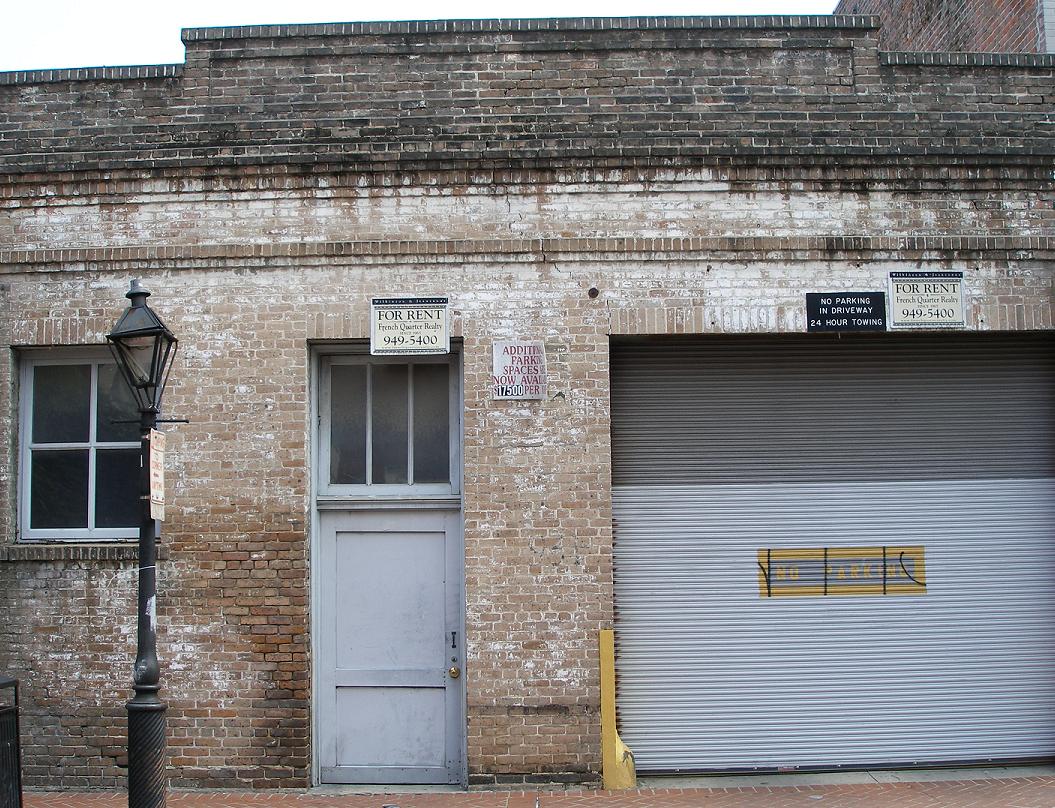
(140, 351)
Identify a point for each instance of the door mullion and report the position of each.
(324, 416)
(369, 442)
(410, 423)
(93, 414)
(454, 422)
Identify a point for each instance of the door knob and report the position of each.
(454, 671)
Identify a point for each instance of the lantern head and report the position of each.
(143, 348)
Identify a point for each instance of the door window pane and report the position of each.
(348, 424)
(431, 424)
(389, 423)
(59, 488)
(388, 413)
(115, 404)
(117, 487)
(61, 401)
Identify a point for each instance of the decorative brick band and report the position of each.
(1043, 60)
(345, 29)
(948, 172)
(629, 245)
(415, 155)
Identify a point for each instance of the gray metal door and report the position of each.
(766, 494)
(391, 703)
(388, 571)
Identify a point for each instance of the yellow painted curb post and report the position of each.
(617, 761)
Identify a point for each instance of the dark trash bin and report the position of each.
(10, 750)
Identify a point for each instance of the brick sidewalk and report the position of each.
(1016, 792)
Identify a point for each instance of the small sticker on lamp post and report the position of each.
(157, 475)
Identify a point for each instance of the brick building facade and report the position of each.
(1009, 26)
(590, 185)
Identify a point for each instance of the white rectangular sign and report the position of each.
(157, 475)
(519, 370)
(409, 325)
(926, 300)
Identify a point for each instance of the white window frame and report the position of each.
(28, 360)
(372, 490)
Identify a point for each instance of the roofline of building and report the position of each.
(789, 22)
(478, 26)
(47, 75)
(513, 25)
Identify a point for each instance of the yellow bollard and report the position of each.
(617, 761)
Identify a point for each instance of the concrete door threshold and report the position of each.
(350, 790)
(845, 777)
(704, 781)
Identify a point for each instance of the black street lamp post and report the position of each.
(143, 348)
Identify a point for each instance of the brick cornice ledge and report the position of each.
(452, 247)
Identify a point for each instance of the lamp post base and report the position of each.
(146, 755)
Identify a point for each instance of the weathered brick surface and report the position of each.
(1011, 26)
(411, 93)
(184, 211)
(701, 176)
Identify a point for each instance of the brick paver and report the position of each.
(1017, 792)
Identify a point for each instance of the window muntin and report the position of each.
(79, 469)
(387, 426)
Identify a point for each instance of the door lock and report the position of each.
(454, 671)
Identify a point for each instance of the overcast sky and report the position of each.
(37, 34)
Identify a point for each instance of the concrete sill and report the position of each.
(73, 551)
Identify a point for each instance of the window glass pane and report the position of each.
(388, 412)
(61, 397)
(117, 488)
(431, 424)
(59, 489)
(348, 424)
(115, 404)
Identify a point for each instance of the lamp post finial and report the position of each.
(136, 290)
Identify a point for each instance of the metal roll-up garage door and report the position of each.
(835, 551)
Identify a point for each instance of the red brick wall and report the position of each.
(1009, 26)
